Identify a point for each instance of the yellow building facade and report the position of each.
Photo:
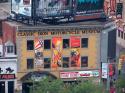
(88, 46)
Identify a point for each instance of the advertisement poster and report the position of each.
(38, 45)
(79, 74)
(56, 52)
(112, 6)
(15, 6)
(22, 7)
(52, 7)
(25, 7)
(104, 70)
(119, 10)
(75, 41)
(89, 6)
(75, 57)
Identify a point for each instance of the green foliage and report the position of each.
(120, 83)
(57, 86)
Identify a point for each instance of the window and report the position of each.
(118, 33)
(122, 34)
(65, 62)
(10, 49)
(47, 44)
(30, 63)
(47, 62)
(84, 42)
(65, 43)
(84, 61)
(30, 45)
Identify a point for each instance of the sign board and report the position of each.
(78, 74)
(104, 70)
(8, 70)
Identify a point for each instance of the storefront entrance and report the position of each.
(2, 87)
(10, 86)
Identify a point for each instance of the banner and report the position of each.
(75, 57)
(56, 52)
(75, 41)
(38, 45)
(112, 6)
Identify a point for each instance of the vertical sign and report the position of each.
(112, 6)
(38, 45)
(104, 70)
(75, 53)
(119, 10)
(56, 52)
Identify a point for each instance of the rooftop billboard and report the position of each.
(22, 7)
(52, 7)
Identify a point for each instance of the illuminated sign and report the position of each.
(7, 76)
(58, 33)
(77, 74)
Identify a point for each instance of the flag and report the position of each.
(38, 43)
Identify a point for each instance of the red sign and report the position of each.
(75, 41)
(7, 76)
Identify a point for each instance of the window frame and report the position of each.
(83, 62)
(66, 62)
(47, 45)
(47, 63)
(86, 45)
(32, 45)
(28, 65)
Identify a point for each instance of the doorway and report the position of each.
(2, 87)
(10, 86)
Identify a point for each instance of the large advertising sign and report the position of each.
(104, 70)
(22, 7)
(52, 7)
(89, 6)
(56, 52)
(38, 45)
(78, 74)
(8, 70)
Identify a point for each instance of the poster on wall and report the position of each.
(56, 52)
(38, 45)
(75, 57)
(75, 41)
(52, 7)
(119, 10)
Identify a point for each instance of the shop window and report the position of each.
(65, 62)
(47, 62)
(84, 61)
(30, 44)
(118, 33)
(122, 34)
(65, 43)
(47, 44)
(84, 42)
(30, 63)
